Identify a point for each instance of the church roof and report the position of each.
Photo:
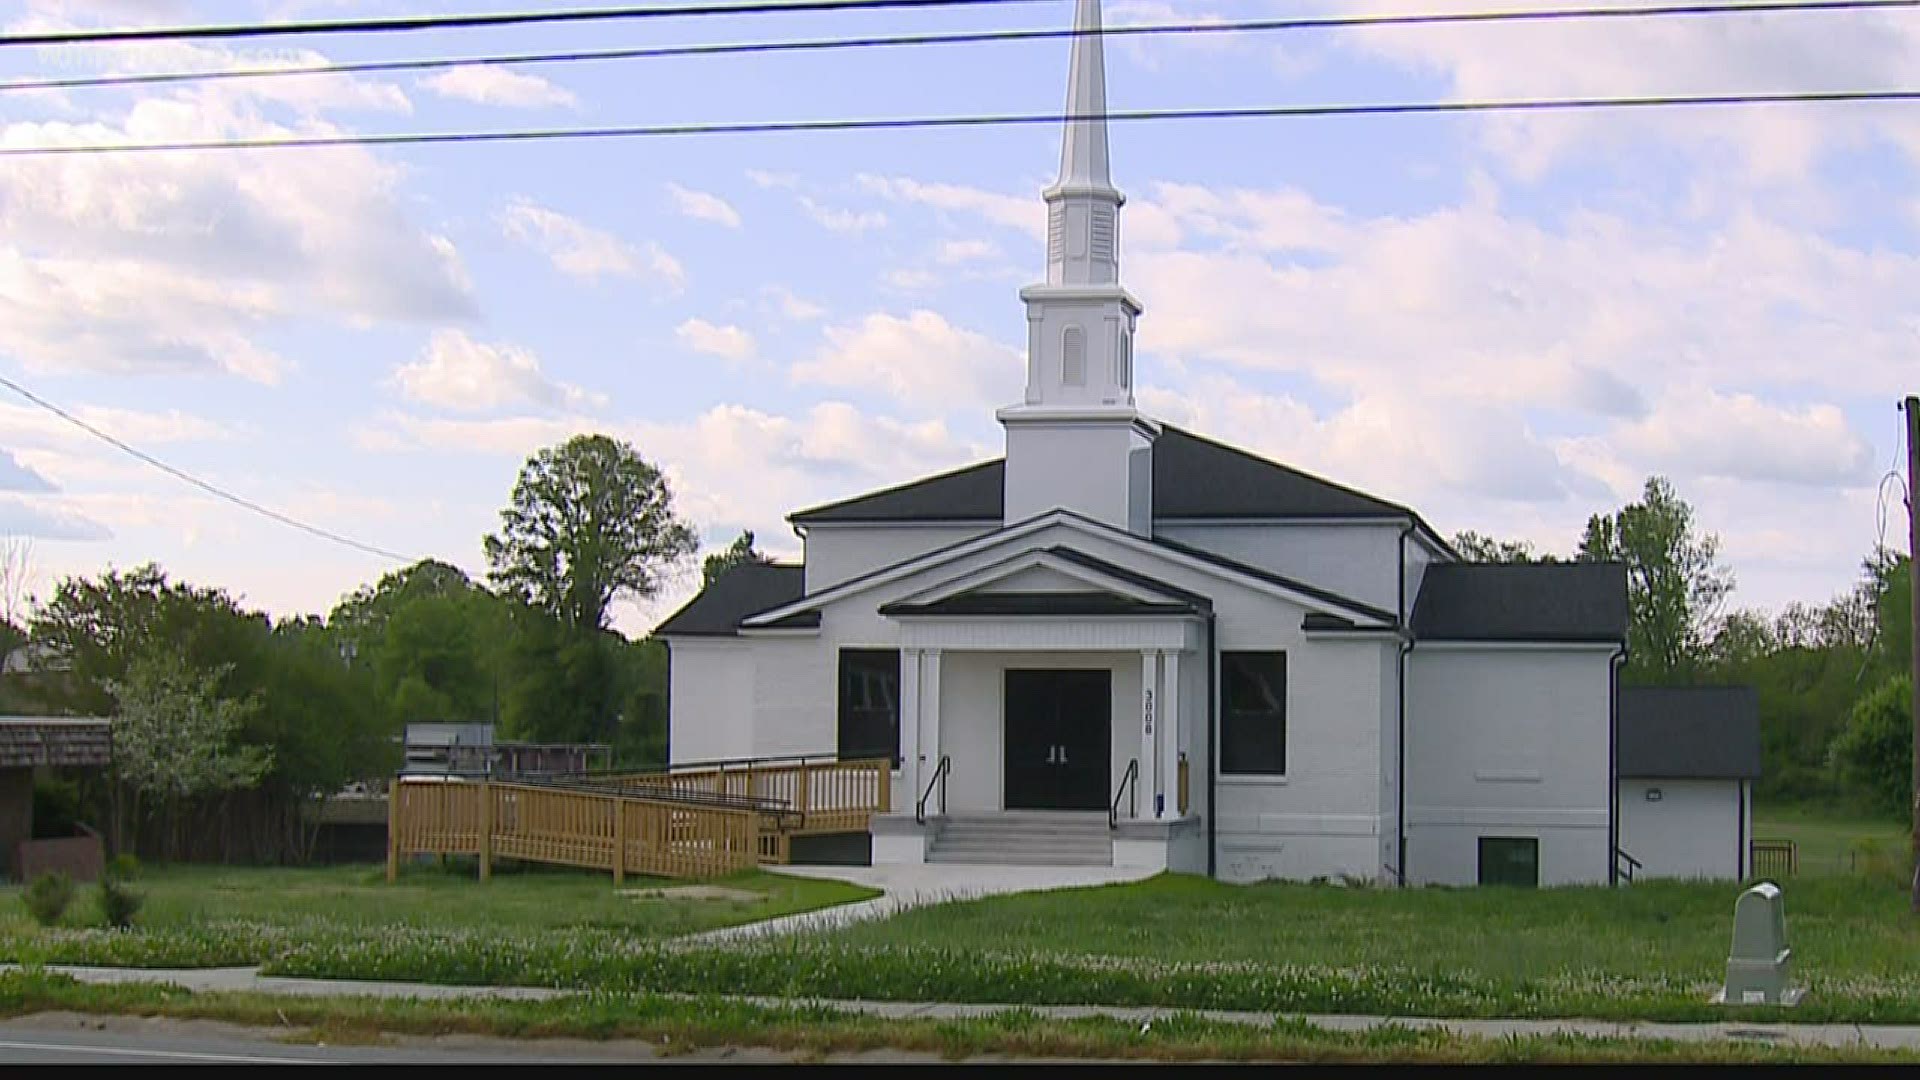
(1556, 602)
(745, 589)
(1689, 732)
(1193, 478)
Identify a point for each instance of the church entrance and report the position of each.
(1059, 732)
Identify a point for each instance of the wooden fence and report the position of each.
(688, 824)
(1774, 858)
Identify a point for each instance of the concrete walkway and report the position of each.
(904, 887)
(1884, 1036)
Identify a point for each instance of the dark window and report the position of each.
(1506, 860)
(870, 703)
(1253, 713)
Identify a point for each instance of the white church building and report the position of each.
(1127, 643)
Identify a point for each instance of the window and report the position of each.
(1253, 713)
(870, 703)
(1508, 860)
(1073, 357)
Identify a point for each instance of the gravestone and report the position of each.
(1758, 964)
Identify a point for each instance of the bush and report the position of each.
(118, 903)
(1873, 754)
(47, 897)
(123, 867)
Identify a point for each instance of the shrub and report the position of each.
(1873, 754)
(123, 867)
(118, 903)
(47, 897)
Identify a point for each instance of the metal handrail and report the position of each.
(1129, 784)
(940, 772)
(1632, 864)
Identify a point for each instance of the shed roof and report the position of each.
(1689, 732)
(1544, 602)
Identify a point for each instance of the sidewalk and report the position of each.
(1888, 1036)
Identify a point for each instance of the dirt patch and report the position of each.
(695, 892)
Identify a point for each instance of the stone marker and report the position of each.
(1757, 966)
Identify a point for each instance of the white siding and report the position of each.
(710, 697)
(1507, 742)
(1693, 831)
(1357, 561)
(837, 553)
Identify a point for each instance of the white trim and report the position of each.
(779, 631)
(1028, 560)
(1250, 779)
(1517, 646)
(1508, 817)
(1029, 634)
(1384, 521)
(1019, 530)
(1369, 634)
(983, 524)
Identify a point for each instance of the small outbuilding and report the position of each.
(32, 742)
(1688, 758)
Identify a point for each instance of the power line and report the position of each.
(962, 38)
(775, 127)
(237, 500)
(970, 37)
(474, 21)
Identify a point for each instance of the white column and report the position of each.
(909, 729)
(1169, 806)
(1149, 722)
(930, 707)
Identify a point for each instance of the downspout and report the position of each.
(1400, 738)
(1614, 663)
(1213, 735)
(1740, 833)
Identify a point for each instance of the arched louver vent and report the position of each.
(1073, 357)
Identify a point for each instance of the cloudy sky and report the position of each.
(1506, 322)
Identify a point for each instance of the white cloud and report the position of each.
(922, 359)
(507, 436)
(1026, 214)
(951, 252)
(1739, 437)
(763, 179)
(17, 477)
(173, 263)
(910, 279)
(704, 206)
(793, 307)
(582, 251)
(489, 85)
(36, 427)
(729, 342)
(456, 372)
(21, 517)
(847, 221)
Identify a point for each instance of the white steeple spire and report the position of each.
(1077, 442)
(1084, 158)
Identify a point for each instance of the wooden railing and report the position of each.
(830, 796)
(1774, 858)
(691, 823)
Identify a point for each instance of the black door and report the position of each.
(1058, 739)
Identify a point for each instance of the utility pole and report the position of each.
(1913, 612)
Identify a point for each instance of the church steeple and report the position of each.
(1076, 441)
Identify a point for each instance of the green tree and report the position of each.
(1675, 582)
(362, 615)
(562, 682)
(177, 738)
(589, 521)
(1873, 755)
(740, 551)
(1891, 581)
(1481, 548)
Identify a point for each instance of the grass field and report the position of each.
(1830, 843)
(195, 916)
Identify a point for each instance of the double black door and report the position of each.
(1059, 732)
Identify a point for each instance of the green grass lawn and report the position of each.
(1830, 843)
(198, 916)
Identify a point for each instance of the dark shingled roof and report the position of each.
(1689, 732)
(745, 590)
(1570, 602)
(1192, 478)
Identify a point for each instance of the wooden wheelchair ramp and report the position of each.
(695, 822)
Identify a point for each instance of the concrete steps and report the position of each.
(1025, 838)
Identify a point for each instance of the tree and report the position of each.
(16, 578)
(740, 551)
(589, 521)
(1675, 583)
(176, 738)
(1874, 754)
(362, 615)
(1479, 548)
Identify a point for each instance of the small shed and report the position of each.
(1687, 760)
(32, 742)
